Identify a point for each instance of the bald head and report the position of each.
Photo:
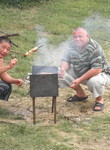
(80, 36)
(80, 29)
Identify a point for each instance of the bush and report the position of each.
(19, 3)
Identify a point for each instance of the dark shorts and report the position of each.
(5, 90)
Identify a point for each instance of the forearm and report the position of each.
(4, 69)
(64, 66)
(7, 78)
(89, 74)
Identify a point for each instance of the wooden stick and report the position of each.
(8, 35)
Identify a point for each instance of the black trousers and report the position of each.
(5, 90)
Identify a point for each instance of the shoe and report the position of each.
(100, 105)
(75, 98)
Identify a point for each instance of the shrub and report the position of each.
(19, 3)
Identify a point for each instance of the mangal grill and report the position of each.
(44, 83)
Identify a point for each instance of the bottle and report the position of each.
(65, 77)
(68, 78)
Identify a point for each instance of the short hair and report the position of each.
(5, 39)
(80, 28)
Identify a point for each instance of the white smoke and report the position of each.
(48, 54)
(97, 26)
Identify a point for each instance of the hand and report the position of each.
(75, 83)
(19, 82)
(12, 63)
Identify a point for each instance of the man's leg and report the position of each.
(79, 91)
(96, 86)
(99, 100)
(5, 90)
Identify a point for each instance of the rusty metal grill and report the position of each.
(44, 83)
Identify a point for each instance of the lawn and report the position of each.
(51, 22)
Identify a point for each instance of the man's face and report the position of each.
(4, 49)
(80, 38)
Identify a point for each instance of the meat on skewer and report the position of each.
(31, 51)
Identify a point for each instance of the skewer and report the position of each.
(27, 53)
(32, 51)
(8, 35)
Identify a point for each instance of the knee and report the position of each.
(5, 87)
(93, 83)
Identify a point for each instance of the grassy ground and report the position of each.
(78, 128)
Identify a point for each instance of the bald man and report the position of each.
(89, 66)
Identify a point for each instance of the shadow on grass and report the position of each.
(7, 114)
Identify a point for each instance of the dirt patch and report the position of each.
(70, 111)
(75, 112)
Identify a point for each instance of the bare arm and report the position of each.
(89, 74)
(64, 66)
(7, 67)
(7, 78)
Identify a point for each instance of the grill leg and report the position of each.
(34, 117)
(54, 108)
(52, 104)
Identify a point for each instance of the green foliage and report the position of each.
(17, 3)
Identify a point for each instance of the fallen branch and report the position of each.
(8, 35)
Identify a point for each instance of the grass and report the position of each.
(4, 113)
(58, 18)
(27, 137)
(59, 137)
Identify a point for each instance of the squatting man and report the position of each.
(6, 79)
(89, 66)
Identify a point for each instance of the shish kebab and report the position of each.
(29, 52)
(32, 51)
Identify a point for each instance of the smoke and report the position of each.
(97, 26)
(48, 54)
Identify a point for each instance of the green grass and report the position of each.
(31, 138)
(59, 18)
(6, 114)
(58, 137)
